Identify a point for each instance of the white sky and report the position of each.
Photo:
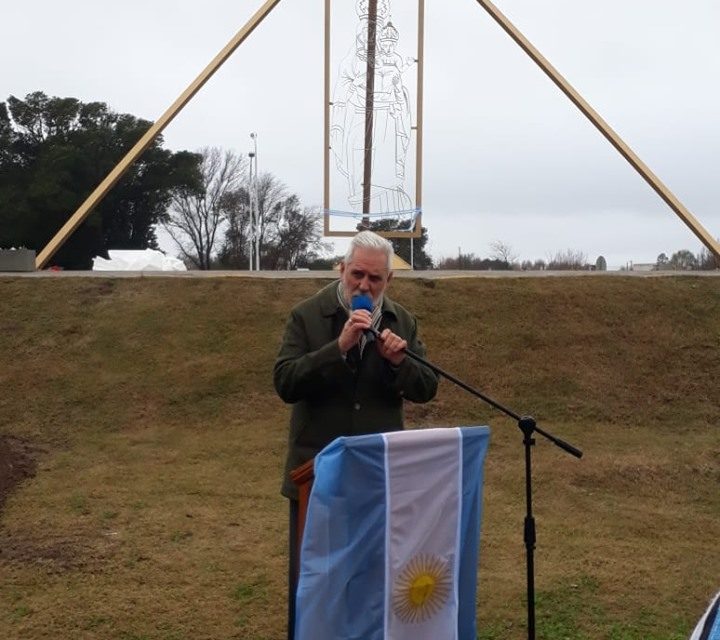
(507, 156)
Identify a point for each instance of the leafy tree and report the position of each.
(683, 260)
(198, 211)
(402, 246)
(55, 151)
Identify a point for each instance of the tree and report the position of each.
(324, 263)
(235, 250)
(503, 252)
(707, 261)
(55, 151)
(420, 259)
(537, 265)
(298, 237)
(290, 234)
(683, 260)
(601, 264)
(468, 261)
(661, 262)
(198, 211)
(271, 197)
(570, 260)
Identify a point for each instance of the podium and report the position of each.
(387, 535)
(303, 477)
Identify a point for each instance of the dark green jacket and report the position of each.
(332, 396)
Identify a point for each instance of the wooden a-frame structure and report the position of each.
(99, 193)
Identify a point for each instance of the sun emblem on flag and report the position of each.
(421, 589)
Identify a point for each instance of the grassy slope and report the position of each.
(155, 510)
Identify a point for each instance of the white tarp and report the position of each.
(145, 260)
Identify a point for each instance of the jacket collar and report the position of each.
(329, 304)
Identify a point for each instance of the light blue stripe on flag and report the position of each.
(708, 627)
(473, 451)
(342, 591)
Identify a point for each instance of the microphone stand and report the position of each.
(528, 426)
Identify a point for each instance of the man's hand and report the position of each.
(391, 347)
(353, 329)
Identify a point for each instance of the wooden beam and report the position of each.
(326, 134)
(102, 189)
(604, 128)
(369, 105)
(420, 113)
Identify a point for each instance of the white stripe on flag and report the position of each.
(424, 492)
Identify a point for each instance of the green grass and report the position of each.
(155, 509)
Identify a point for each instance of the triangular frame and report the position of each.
(615, 140)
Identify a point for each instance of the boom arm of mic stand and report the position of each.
(574, 451)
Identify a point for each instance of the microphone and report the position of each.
(364, 301)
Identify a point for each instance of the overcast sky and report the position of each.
(507, 156)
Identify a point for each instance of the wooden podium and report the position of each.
(303, 477)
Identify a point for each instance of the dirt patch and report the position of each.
(55, 556)
(17, 463)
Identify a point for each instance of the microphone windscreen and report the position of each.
(362, 301)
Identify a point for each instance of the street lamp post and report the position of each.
(251, 238)
(254, 197)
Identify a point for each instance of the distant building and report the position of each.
(642, 266)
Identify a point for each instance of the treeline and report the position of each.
(686, 260)
(55, 151)
(501, 259)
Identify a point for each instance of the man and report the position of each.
(339, 382)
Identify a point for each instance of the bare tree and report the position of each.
(706, 261)
(271, 197)
(289, 235)
(470, 262)
(235, 250)
(570, 260)
(196, 215)
(530, 265)
(503, 252)
(298, 238)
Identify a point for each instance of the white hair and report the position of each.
(372, 241)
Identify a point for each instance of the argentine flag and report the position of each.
(390, 549)
(708, 628)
